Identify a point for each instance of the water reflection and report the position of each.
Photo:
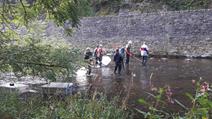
(106, 72)
(81, 78)
(176, 73)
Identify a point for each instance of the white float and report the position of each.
(106, 60)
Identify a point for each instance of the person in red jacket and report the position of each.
(98, 53)
(128, 53)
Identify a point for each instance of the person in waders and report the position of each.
(122, 53)
(128, 53)
(98, 53)
(118, 61)
(144, 53)
(88, 59)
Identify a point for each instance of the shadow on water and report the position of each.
(159, 72)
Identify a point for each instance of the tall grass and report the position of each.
(75, 107)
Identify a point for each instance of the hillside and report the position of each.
(107, 7)
(112, 7)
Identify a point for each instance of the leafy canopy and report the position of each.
(26, 49)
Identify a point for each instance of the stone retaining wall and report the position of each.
(182, 33)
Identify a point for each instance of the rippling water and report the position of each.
(159, 72)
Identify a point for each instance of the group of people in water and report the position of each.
(121, 54)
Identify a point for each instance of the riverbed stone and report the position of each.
(13, 87)
(59, 88)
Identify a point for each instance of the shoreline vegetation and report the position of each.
(95, 105)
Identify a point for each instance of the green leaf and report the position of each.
(179, 103)
(142, 101)
(190, 96)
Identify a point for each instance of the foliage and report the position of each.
(85, 8)
(201, 103)
(25, 47)
(186, 4)
(200, 109)
(179, 4)
(105, 7)
(154, 111)
(75, 107)
(40, 55)
(24, 11)
(41, 60)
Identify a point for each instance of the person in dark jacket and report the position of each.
(122, 53)
(118, 61)
(88, 59)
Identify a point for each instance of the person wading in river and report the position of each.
(144, 53)
(118, 61)
(122, 53)
(98, 53)
(128, 53)
(88, 59)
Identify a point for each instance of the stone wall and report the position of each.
(182, 33)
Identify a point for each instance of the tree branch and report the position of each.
(25, 12)
(40, 64)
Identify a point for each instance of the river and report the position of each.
(136, 80)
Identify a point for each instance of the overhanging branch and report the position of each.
(41, 64)
(25, 12)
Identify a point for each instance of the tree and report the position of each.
(186, 4)
(25, 48)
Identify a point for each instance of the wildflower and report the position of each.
(204, 87)
(193, 81)
(169, 94)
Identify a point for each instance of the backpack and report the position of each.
(98, 52)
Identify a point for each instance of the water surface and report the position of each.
(137, 79)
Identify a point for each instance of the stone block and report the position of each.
(58, 88)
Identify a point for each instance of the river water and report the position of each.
(136, 80)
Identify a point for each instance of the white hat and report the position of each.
(88, 49)
(100, 45)
(130, 42)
